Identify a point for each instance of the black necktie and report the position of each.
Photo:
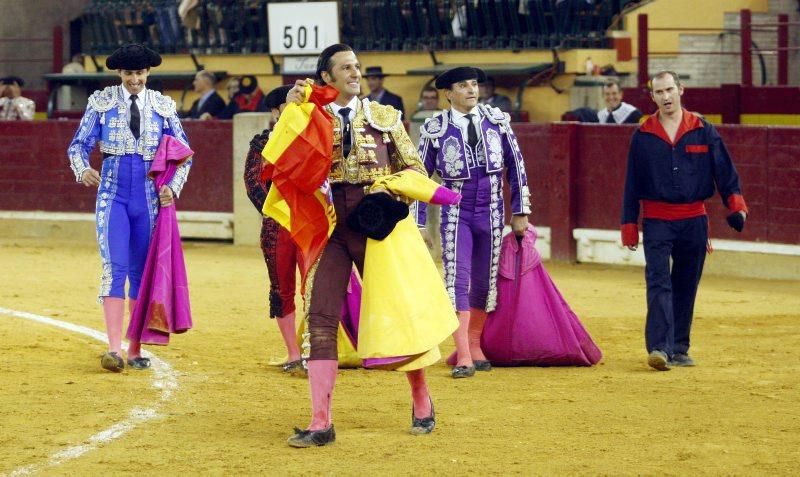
(134, 116)
(472, 133)
(610, 119)
(347, 140)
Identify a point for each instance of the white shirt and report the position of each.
(353, 104)
(460, 120)
(140, 100)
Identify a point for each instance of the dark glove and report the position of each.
(736, 221)
(376, 215)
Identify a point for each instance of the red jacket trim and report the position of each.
(736, 203)
(630, 235)
(689, 122)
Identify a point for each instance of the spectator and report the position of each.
(377, 93)
(617, 111)
(248, 97)
(430, 99)
(429, 102)
(13, 105)
(73, 98)
(490, 98)
(209, 104)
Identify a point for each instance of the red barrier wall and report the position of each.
(576, 173)
(35, 173)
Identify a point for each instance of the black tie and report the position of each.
(134, 116)
(347, 140)
(610, 119)
(472, 134)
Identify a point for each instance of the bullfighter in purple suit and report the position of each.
(469, 145)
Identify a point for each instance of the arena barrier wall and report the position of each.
(576, 174)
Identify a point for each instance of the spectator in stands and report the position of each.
(676, 162)
(490, 98)
(73, 97)
(377, 93)
(209, 104)
(13, 105)
(430, 99)
(247, 98)
(617, 111)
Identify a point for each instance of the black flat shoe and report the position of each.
(482, 365)
(303, 438)
(462, 372)
(424, 425)
(112, 361)
(295, 368)
(139, 363)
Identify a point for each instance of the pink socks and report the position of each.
(113, 311)
(461, 338)
(289, 333)
(419, 393)
(321, 379)
(134, 347)
(476, 321)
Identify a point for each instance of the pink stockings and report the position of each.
(289, 334)
(114, 314)
(322, 378)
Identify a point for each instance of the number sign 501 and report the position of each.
(302, 28)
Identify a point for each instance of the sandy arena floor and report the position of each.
(738, 412)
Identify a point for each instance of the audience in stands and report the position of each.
(430, 99)
(13, 105)
(375, 76)
(209, 104)
(73, 98)
(248, 98)
(616, 110)
(489, 97)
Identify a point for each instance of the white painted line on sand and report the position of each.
(164, 379)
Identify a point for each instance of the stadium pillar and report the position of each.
(246, 221)
(783, 52)
(747, 56)
(643, 58)
(564, 152)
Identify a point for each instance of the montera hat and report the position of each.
(277, 96)
(133, 56)
(462, 73)
(376, 215)
(376, 71)
(12, 80)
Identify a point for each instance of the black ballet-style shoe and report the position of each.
(303, 438)
(424, 425)
(139, 363)
(482, 365)
(112, 361)
(462, 372)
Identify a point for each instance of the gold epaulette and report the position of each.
(382, 117)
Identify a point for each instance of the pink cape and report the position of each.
(533, 325)
(162, 306)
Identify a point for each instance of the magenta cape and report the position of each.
(533, 325)
(162, 306)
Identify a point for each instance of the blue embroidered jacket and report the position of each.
(105, 120)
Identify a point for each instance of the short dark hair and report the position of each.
(662, 74)
(430, 89)
(612, 82)
(489, 81)
(325, 61)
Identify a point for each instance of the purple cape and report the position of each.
(162, 306)
(533, 325)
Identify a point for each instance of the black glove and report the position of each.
(736, 221)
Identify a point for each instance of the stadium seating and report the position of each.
(240, 26)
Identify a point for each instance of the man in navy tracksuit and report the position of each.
(675, 162)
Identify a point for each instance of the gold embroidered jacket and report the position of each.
(380, 146)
